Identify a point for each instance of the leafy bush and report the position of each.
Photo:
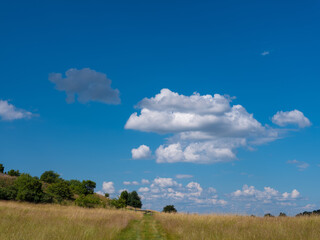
(169, 209)
(14, 173)
(49, 177)
(118, 203)
(1, 168)
(29, 189)
(8, 193)
(60, 191)
(89, 201)
(82, 188)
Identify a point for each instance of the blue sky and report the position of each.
(262, 55)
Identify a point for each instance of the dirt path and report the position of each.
(146, 229)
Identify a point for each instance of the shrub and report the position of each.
(14, 173)
(82, 188)
(1, 168)
(49, 177)
(8, 193)
(60, 191)
(268, 215)
(118, 203)
(89, 201)
(169, 209)
(29, 189)
(282, 214)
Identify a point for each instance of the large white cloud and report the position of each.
(141, 152)
(9, 112)
(87, 84)
(294, 117)
(108, 187)
(203, 129)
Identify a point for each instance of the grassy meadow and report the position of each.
(19, 221)
(200, 227)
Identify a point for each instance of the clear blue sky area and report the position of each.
(262, 55)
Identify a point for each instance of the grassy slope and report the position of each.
(45, 222)
(198, 227)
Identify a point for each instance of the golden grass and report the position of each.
(211, 227)
(23, 221)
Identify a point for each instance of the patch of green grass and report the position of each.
(146, 229)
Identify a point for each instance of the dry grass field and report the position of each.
(19, 221)
(215, 227)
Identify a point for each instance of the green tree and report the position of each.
(49, 177)
(107, 195)
(1, 168)
(14, 173)
(60, 191)
(89, 186)
(169, 209)
(76, 187)
(29, 189)
(268, 215)
(124, 195)
(8, 193)
(134, 200)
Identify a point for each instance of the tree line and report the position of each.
(51, 188)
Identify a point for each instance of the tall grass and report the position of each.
(19, 221)
(213, 227)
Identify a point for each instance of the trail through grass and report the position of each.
(146, 229)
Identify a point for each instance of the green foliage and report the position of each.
(118, 203)
(60, 191)
(14, 173)
(82, 188)
(89, 186)
(134, 200)
(1, 168)
(50, 177)
(107, 195)
(169, 209)
(89, 201)
(29, 189)
(124, 195)
(8, 193)
(282, 214)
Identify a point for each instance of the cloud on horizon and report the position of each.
(86, 85)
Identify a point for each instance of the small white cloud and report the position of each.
(294, 117)
(143, 189)
(265, 53)
(145, 181)
(87, 84)
(299, 164)
(182, 176)
(9, 112)
(141, 152)
(130, 183)
(108, 187)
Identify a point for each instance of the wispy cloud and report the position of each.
(299, 164)
(265, 53)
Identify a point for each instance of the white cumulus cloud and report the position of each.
(294, 117)
(9, 112)
(203, 128)
(108, 187)
(87, 84)
(141, 152)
